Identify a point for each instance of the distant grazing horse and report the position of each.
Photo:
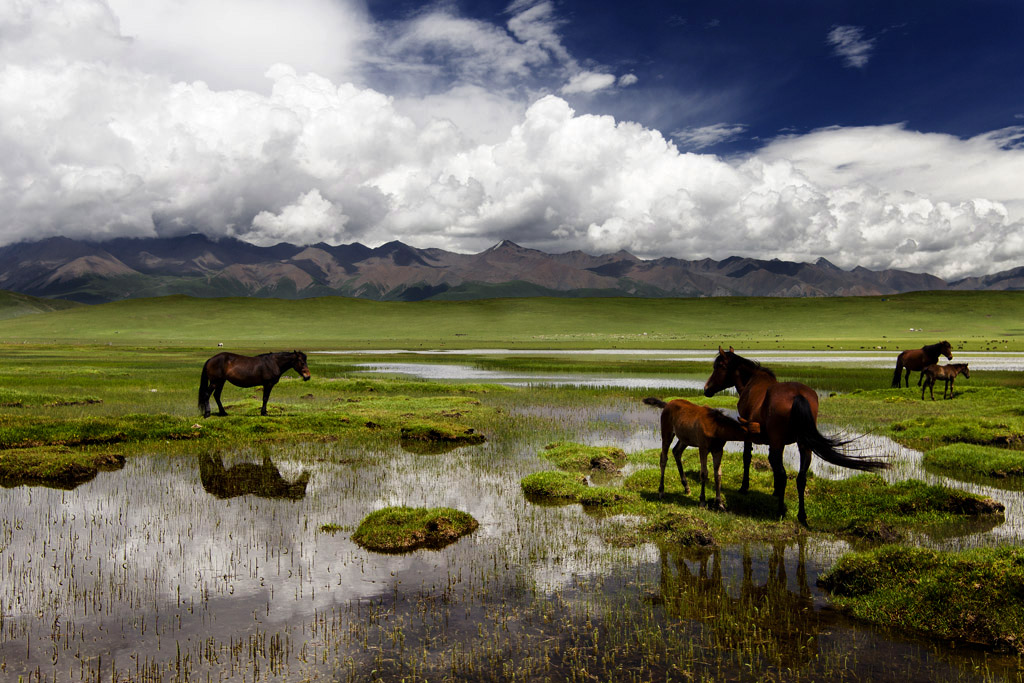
(246, 371)
(919, 359)
(947, 373)
(787, 413)
(707, 429)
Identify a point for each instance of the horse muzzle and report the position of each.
(305, 377)
(708, 391)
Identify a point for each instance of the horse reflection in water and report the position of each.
(785, 618)
(262, 480)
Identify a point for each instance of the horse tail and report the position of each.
(204, 387)
(897, 380)
(801, 419)
(656, 402)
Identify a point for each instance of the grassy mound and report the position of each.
(975, 596)
(402, 529)
(983, 461)
(575, 457)
(866, 506)
(59, 467)
(445, 434)
(567, 487)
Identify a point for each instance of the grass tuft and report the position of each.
(403, 529)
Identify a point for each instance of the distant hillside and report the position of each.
(96, 272)
(15, 305)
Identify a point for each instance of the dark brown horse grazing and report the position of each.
(246, 371)
(919, 359)
(946, 373)
(787, 413)
(707, 429)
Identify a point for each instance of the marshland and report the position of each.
(142, 542)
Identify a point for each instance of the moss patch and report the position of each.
(402, 529)
(576, 457)
(975, 596)
(554, 486)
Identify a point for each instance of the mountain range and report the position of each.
(96, 272)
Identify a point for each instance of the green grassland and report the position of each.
(83, 387)
(970, 320)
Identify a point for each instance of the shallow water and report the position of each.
(145, 574)
(466, 373)
(978, 360)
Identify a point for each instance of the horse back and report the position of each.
(692, 424)
(242, 371)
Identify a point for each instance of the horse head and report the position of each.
(300, 365)
(964, 371)
(721, 373)
(946, 350)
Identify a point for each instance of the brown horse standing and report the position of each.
(246, 371)
(919, 359)
(787, 413)
(947, 373)
(707, 429)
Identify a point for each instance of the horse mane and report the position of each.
(752, 365)
(935, 348)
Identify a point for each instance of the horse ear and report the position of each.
(720, 351)
(731, 350)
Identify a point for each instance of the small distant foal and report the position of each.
(946, 372)
(707, 429)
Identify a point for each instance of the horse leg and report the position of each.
(949, 387)
(666, 440)
(218, 386)
(779, 474)
(678, 453)
(717, 462)
(703, 473)
(664, 461)
(204, 401)
(801, 482)
(748, 452)
(266, 396)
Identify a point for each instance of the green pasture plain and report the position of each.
(82, 385)
(974, 321)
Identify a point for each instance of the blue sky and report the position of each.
(772, 68)
(888, 135)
